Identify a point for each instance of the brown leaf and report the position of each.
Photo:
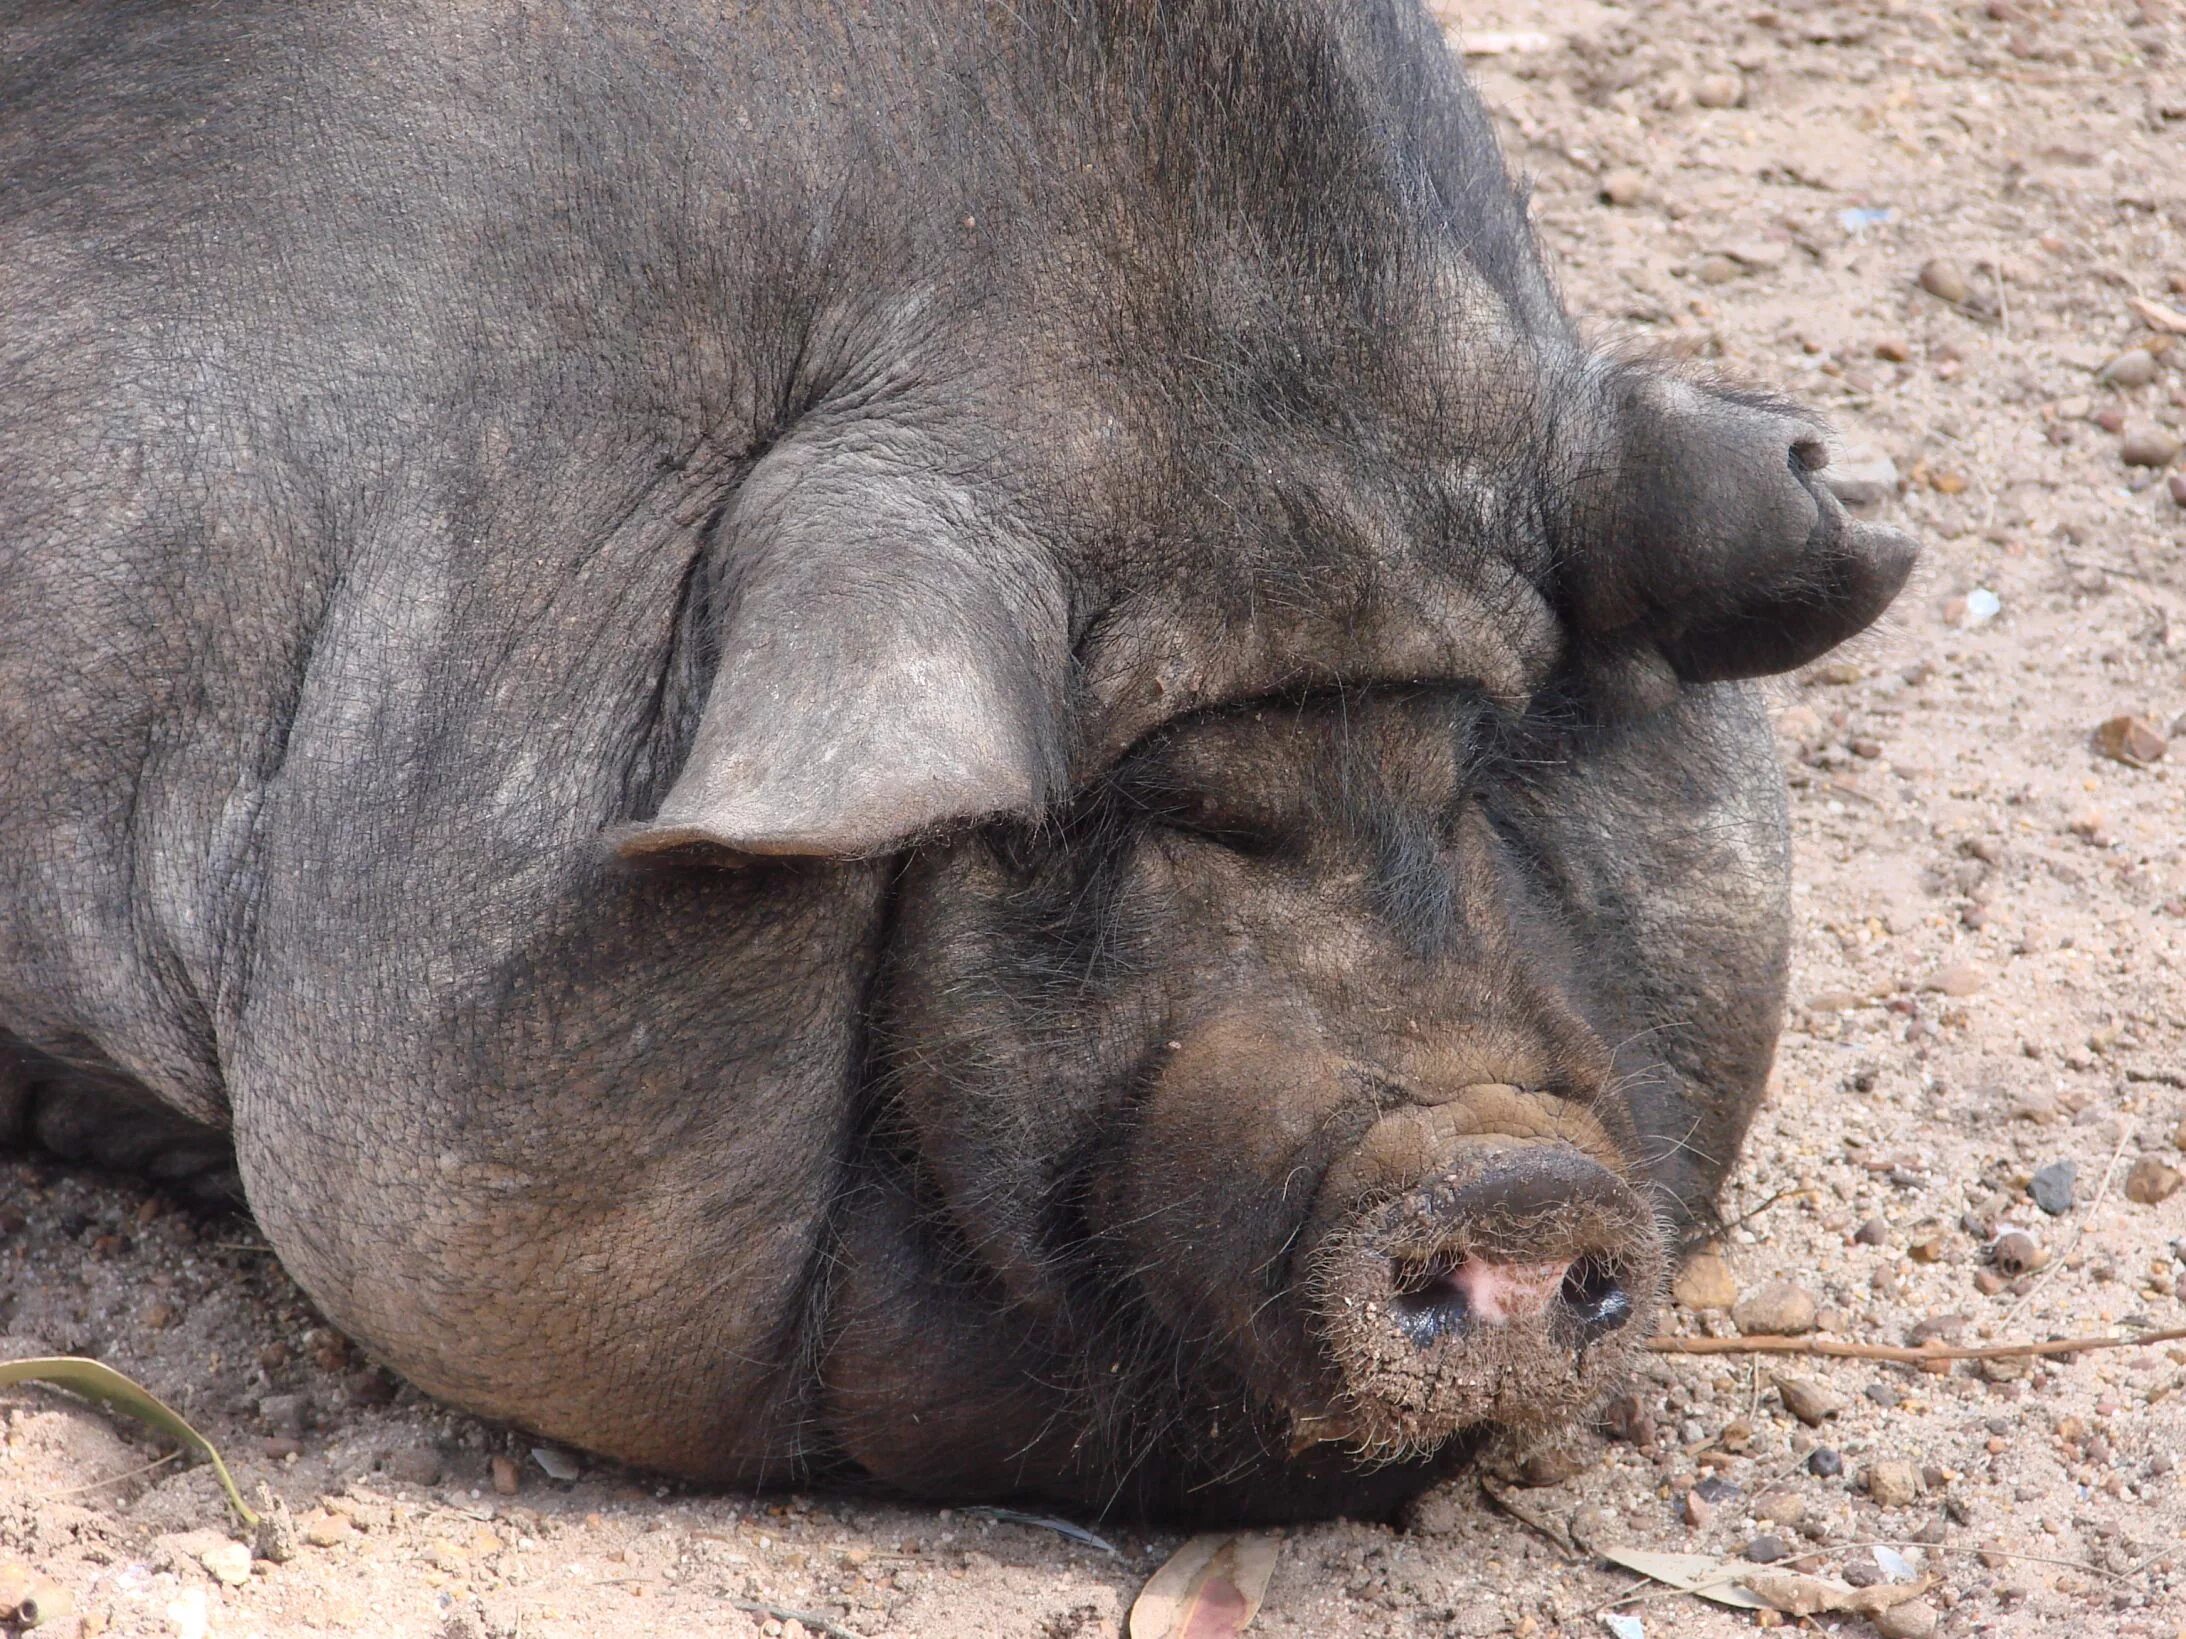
(1796, 1594)
(2158, 317)
(1211, 1588)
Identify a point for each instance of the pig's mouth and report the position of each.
(1511, 1286)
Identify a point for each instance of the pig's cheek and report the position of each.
(919, 1386)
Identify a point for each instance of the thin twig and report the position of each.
(1748, 1217)
(2111, 569)
(1991, 1548)
(1560, 1541)
(2079, 1229)
(783, 1613)
(113, 1479)
(1836, 1349)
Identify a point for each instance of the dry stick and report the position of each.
(2079, 1229)
(113, 1479)
(1909, 1356)
(2122, 574)
(1991, 1548)
(1561, 1542)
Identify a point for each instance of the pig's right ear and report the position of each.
(892, 659)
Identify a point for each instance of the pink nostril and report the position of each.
(1444, 1295)
(1440, 1296)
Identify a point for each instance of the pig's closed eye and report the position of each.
(1206, 818)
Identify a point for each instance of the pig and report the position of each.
(939, 746)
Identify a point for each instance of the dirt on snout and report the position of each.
(1959, 229)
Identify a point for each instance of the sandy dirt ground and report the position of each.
(1988, 978)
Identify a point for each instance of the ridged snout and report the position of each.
(1462, 1276)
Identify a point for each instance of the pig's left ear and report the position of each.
(891, 660)
(1723, 554)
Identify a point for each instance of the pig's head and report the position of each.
(1321, 1072)
(1337, 923)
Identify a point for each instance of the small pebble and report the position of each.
(1942, 280)
(2017, 1253)
(371, 1386)
(1861, 477)
(1766, 1550)
(1894, 350)
(2150, 1181)
(1945, 1327)
(2135, 367)
(415, 1465)
(2176, 483)
(2131, 740)
(1891, 1483)
(1872, 1233)
(228, 1563)
(505, 1479)
(1781, 1506)
(2148, 446)
(1882, 1394)
(1627, 1418)
(2112, 421)
(1721, 270)
(1627, 188)
(1778, 1308)
(1915, 1619)
(1959, 979)
(322, 1529)
(1697, 1510)
(2053, 1187)
(284, 1413)
(1705, 1282)
(1811, 1403)
(1824, 1463)
(1719, 91)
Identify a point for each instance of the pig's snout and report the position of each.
(1463, 1277)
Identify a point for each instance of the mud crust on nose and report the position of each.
(1511, 1287)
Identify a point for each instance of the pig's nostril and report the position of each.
(1429, 1300)
(1594, 1297)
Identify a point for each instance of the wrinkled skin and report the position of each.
(953, 746)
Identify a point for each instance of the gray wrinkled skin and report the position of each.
(590, 603)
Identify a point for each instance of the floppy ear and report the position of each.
(1723, 555)
(892, 658)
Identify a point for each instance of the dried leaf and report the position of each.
(101, 1383)
(1796, 1594)
(1210, 1589)
(1701, 1574)
(2158, 317)
(1799, 1595)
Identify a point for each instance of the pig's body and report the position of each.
(1096, 507)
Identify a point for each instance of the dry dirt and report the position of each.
(1988, 978)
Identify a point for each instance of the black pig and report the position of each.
(948, 742)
